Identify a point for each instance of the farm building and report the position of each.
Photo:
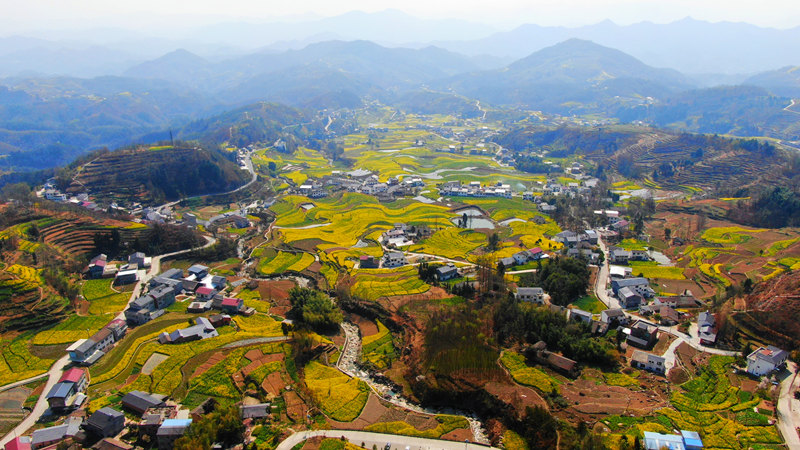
(530, 294)
(629, 298)
(447, 272)
(106, 422)
(127, 276)
(642, 334)
(258, 411)
(394, 259)
(616, 315)
(203, 330)
(707, 328)
(52, 435)
(766, 360)
(639, 285)
(580, 315)
(648, 361)
(170, 430)
(139, 402)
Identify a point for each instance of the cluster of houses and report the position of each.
(52, 193)
(403, 234)
(523, 257)
(159, 422)
(100, 267)
(474, 189)
(164, 288)
(362, 181)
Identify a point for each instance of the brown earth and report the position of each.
(367, 327)
(296, 408)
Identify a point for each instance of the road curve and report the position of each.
(41, 406)
(380, 440)
(789, 407)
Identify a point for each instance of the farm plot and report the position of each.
(378, 349)
(446, 424)
(352, 217)
(654, 271)
(451, 243)
(526, 375)
(340, 397)
(272, 262)
(70, 330)
(102, 298)
(372, 284)
(17, 362)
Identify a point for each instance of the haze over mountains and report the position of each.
(116, 94)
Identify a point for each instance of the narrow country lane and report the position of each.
(41, 405)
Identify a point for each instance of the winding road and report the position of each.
(56, 370)
(788, 408)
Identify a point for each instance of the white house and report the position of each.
(530, 294)
(648, 361)
(765, 360)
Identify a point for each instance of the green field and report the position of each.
(590, 303)
(527, 375)
(379, 349)
(451, 243)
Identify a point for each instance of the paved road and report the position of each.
(22, 382)
(380, 440)
(54, 374)
(789, 407)
(600, 286)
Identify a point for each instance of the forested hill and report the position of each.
(157, 174)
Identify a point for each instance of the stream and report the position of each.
(348, 363)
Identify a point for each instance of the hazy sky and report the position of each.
(20, 15)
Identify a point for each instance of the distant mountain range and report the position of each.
(691, 46)
(47, 121)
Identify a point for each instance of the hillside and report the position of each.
(736, 110)
(771, 313)
(784, 82)
(571, 76)
(153, 175)
(671, 160)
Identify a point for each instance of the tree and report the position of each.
(313, 309)
(494, 240)
(540, 428)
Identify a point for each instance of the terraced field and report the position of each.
(272, 262)
(340, 397)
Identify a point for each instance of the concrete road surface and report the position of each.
(54, 374)
(380, 440)
(789, 407)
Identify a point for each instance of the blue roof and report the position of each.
(182, 423)
(62, 390)
(692, 439)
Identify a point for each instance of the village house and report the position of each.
(106, 422)
(707, 328)
(139, 402)
(88, 351)
(204, 293)
(620, 271)
(682, 301)
(530, 294)
(257, 411)
(580, 315)
(642, 334)
(197, 272)
(629, 298)
(202, 330)
(394, 259)
(618, 255)
(639, 285)
(232, 305)
(765, 360)
(447, 272)
(614, 316)
(140, 260)
(368, 262)
(648, 361)
(170, 430)
(687, 440)
(46, 437)
(669, 316)
(126, 276)
(557, 362)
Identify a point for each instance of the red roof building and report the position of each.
(19, 443)
(73, 375)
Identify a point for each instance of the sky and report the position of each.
(149, 15)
